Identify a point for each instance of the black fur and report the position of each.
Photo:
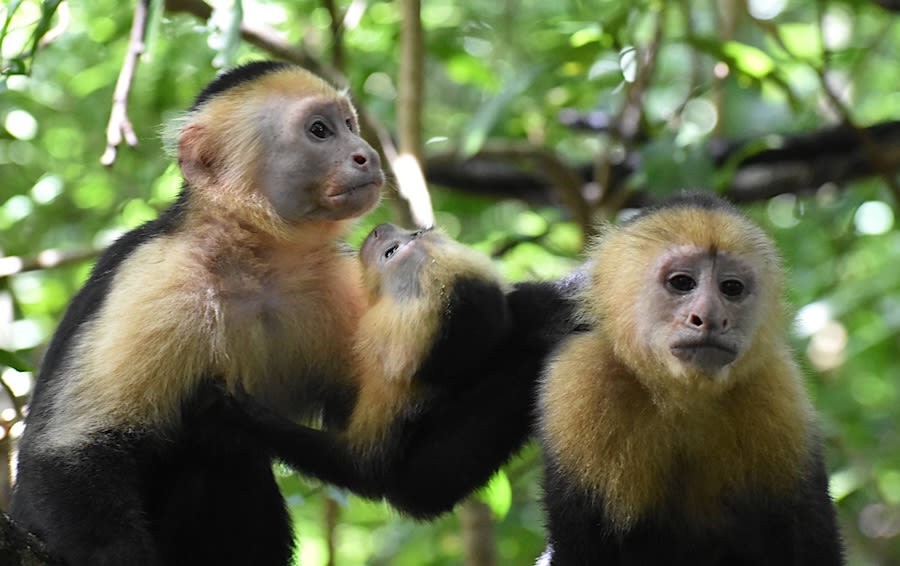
(476, 414)
(204, 496)
(757, 531)
(236, 77)
(702, 200)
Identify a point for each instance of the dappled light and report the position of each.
(540, 122)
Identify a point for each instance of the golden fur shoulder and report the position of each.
(607, 433)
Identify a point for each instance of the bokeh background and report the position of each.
(532, 121)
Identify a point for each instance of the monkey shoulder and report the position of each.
(604, 435)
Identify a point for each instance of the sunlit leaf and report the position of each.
(802, 40)
(751, 60)
(497, 494)
(486, 116)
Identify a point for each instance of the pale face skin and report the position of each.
(397, 255)
(316, 166)
(699, 307)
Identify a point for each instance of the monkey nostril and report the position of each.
(359, 158)
(724, 324)
(696, 320)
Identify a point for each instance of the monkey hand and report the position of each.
(242, 411)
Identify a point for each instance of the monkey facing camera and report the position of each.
(678, 430)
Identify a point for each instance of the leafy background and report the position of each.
(498, 76)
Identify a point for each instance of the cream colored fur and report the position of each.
(234, 293)
(619, 423)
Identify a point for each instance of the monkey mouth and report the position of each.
(709, 354)
(338, 193)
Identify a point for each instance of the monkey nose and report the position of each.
(709, 322)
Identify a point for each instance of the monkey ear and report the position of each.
(195, 155)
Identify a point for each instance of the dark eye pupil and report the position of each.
(391, 251)
(319, 130)
(731, 287)
(682, 283)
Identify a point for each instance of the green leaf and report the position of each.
(10, 10)
(11, 359)
(802, 40)
(48, 9)
(751, 60)
(489, 113)
(497, 494)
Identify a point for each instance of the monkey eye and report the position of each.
(319, 129)
(391, 251)
(731, 287)
(682, 283)
(349, 123)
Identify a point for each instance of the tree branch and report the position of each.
(119, 124)
(799, 164)
(13, 265)
(413, 207)
(626, 130)
(880, 163)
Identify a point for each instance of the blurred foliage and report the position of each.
(496, 71)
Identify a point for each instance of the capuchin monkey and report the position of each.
(448, 356)
(244, 280)
(677, 430)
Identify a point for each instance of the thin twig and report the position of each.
(627, 124)
(47, 259)
(119, 124)
(512, 242)
(879, 162)
(63, 19)
(414, 207)
(337, 34)
(266, 39)
(17, 405)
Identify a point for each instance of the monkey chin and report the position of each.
(703, 366)
(708, 357)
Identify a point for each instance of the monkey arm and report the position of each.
(466, 434)
(458, 434)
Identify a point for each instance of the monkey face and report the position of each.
(314, 163)
(702, 308)
(393, 259)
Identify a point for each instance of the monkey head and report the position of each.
(687, 292)
(447, 296)
(393, 259)
(279, 132)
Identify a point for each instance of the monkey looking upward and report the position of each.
(447, 355)
(677, 431)
(245, 280)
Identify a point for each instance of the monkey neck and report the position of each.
(248, 234)
(234, 210)
(265, 286)
(610, 427)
